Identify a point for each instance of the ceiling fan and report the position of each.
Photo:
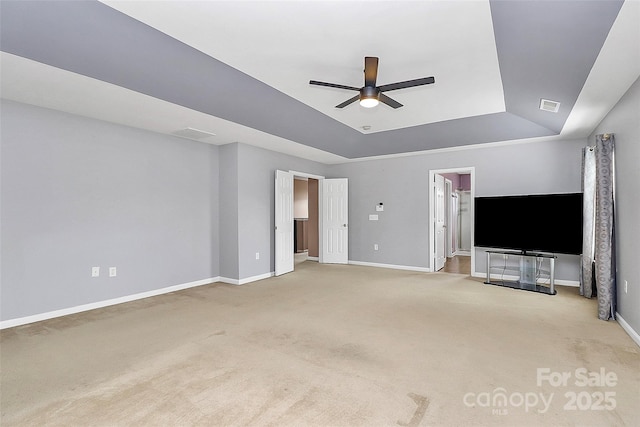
(370, 94)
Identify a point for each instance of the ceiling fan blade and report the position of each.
(390, 102)
(348, 101)
(370, 71)
(408, 83)
(317, 83)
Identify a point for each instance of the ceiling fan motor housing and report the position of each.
(369, 92)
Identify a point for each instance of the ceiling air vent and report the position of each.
(551, 106)
(192, 133)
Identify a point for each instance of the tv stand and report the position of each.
(529, 267)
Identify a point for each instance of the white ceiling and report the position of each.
(285, 44)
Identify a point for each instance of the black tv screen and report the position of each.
(532, 223)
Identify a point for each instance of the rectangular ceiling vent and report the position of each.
(551, 106)
(192, 133)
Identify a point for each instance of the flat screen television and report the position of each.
(530, 223)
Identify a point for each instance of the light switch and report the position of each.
(380, 208)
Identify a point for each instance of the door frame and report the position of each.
(319, 178)
(471, 170)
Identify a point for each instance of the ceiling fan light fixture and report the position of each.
(369, 102)
(369, 97)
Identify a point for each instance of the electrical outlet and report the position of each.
(375, 247)
(95, 271)
(112, 272)
(257, 255)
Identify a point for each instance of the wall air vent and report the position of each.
(192, 133)
(551, 106)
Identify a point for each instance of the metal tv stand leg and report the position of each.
(552, 268)
(488, 267)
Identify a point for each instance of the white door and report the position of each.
(335, 221)
(448, 203)
(439, 213)
(284, 222)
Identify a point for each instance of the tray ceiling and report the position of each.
(241, 69)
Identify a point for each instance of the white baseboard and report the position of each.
(313, 258)
(10, 323)
(246, 279)
(92, 306)
(393, 266)
(572, 283)
(628, 329)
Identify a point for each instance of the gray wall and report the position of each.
(402, 231)
(402, 228)
(256, 204)
(228, 214)
(78, 193)
(624, 121)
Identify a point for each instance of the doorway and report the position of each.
(324, 231)
(451, 195)
(305, 219)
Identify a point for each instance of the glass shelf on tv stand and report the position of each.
(529, 268)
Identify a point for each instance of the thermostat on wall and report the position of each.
(379, 207)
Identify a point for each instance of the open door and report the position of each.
(436, 206)
(450, 224)
(335, 221)
(439, 215)
(284, 223)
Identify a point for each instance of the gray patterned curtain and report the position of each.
(598, 259)
(587, 283)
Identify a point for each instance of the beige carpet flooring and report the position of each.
(326, 346)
